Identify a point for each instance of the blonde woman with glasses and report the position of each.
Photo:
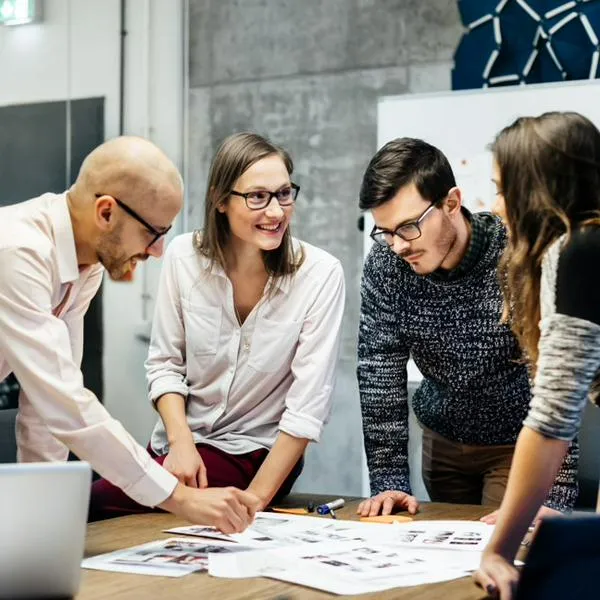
(245, 336)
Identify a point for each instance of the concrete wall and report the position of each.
(308, 75)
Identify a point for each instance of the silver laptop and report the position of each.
(43, 516)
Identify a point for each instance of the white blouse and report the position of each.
(244, 384)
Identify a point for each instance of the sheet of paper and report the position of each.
(466, 536)
(348, 567)
(349, 587)
(275, 530)
(173, 557)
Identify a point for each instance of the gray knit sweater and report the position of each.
(568, 370)
(474, 391)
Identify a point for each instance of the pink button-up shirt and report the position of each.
(43, 299)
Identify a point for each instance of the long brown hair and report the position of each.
(235, 155)
(549, 170)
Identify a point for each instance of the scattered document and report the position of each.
(275, 530)
(174, 557)
(348, 568)
(337, 556)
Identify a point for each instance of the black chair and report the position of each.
(563, 561)
(8, 442)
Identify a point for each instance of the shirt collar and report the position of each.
(66, 254)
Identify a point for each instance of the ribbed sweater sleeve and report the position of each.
(382, 380)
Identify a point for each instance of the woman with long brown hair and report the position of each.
(547, 173)
(245, 336)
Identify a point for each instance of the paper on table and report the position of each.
(450, 535)
(348, 567)
(173, 557)
(349, 588)
(274, 530)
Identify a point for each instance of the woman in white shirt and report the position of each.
(245, 336)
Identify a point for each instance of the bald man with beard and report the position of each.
(53, 252)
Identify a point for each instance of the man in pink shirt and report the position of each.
(53, 251)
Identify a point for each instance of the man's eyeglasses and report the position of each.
(407, 231)
(155, 232)
(259, 199)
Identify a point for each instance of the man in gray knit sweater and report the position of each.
(430, 290)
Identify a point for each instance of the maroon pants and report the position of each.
(222, 470)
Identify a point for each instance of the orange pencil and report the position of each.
(291, 511)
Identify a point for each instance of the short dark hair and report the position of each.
(401, 162)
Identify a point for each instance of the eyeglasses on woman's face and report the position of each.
(260, 199)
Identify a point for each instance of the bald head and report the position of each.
(132, 169)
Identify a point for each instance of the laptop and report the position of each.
(563, 561)
(43, 517)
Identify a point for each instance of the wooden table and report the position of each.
(116, 534)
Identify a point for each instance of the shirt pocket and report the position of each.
(273, 343)
(202, 329)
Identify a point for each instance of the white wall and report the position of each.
(75, 53)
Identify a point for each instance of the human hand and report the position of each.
(228, 509)
(184, 461)
(385, 502)
(497, 576)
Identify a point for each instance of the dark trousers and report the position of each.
(463, 474)
(222, 470)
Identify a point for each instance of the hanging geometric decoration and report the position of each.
(515, 42)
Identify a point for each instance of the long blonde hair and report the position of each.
(550, 178)
(235, 155)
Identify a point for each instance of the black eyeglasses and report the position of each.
(407, 231)
(155, 232)
(259, 199)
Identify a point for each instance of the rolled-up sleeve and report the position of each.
(166, 362)
(37, 346)
(308, 401)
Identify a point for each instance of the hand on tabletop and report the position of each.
(385, 502)
(497, 576)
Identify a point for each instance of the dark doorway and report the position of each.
(33, 147)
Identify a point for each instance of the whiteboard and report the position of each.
(463, 124)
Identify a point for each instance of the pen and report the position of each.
(330, 507)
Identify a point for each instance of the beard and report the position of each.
(118, 265)
(434, 257)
